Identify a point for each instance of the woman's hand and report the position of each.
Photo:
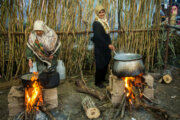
(111, 47)
(30, 63)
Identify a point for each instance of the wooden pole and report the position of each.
(86, 32)
(167, 41)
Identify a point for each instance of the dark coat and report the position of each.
(101, 41)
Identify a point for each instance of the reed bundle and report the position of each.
(74, 16)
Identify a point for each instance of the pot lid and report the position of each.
(127, 56)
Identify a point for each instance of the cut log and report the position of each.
(167, 78)
(81, 87)
(90, 109)
(164, 76)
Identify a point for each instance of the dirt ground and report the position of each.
(167, 97)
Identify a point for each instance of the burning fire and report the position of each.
(129, 83)
(33, 95)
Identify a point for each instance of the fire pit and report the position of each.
(128, 69)
(127, 84)
(33, 99)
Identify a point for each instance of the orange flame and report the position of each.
(33, 95)
(129, 83)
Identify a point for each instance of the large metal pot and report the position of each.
(127, 64)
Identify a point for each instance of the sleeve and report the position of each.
(98, 32)
(108, 39)
(29, 53)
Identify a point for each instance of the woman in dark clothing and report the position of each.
(102, 44)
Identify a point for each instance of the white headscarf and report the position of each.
(49, 37)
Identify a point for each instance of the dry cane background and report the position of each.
(135, 16)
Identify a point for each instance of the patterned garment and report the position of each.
(45, 45)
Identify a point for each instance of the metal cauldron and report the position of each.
(127, 64)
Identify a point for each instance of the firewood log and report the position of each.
(123, 109)
(44, 109)
(81, 87)
(158, 112)
(166, 77)
(90, 109)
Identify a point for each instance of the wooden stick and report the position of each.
(81, 73)
(21, 116)
(84, 89)
(123, 109)
(147, 99)
(33, 114)
(47, 113)
(26, 115)
(158, 112)
(120, 106)
(172, 26)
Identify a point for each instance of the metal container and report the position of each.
(26, 80)
(127, 64)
